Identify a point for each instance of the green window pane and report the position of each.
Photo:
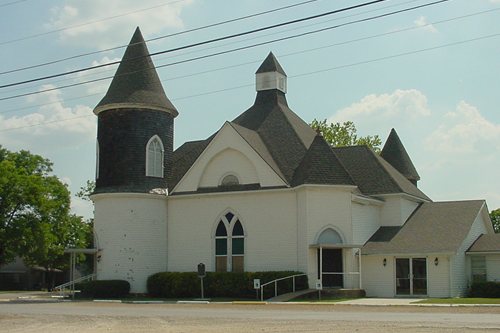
(238, 246)
(221, 247)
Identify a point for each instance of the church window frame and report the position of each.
(155, 155)
(229, 244)
(229, 179)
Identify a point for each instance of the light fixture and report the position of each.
(436, 261)
(384, 262)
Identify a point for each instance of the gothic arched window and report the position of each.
(229, 246)
(154, 157)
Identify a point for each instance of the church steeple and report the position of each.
(395, 153)
(270, 75)
(136, 83)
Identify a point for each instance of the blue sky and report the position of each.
(432, 73)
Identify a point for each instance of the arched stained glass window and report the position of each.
(229, 244)
(154, 157)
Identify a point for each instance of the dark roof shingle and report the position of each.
(434, 227)
(486, 243)
(136, 82)
(395, 153)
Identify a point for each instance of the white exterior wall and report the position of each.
(228, 152)
(438, 277)
(493, 267)
(378, 280)
(269, 220)
(396, 210)
(326, 207)
(459, 277)
(131, 231)
(365, 221)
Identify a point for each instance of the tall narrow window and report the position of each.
(229, 244)
(154, 157)
(478, 268)
(221, 248)
(237, 247)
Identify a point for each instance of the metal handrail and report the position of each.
(62, 287)
(276, 285)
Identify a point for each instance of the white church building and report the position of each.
(266, 192)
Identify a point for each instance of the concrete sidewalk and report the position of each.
(381, 301)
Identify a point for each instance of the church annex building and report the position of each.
(265, 192)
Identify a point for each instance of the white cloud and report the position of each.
(456, 150)
(376, 114)
(53, 121)
(422, 22)
(106, 32)
(464, 131)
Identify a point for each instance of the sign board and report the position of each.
(201, 270)
(256, 283)
(319, 286)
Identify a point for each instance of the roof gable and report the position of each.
(434, 227)
(372, 174)
(247, 146)
(321, 166)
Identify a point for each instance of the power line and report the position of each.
(230, 43)
(87, 23)
(12, 3)
(152, 39)
(229, 51)
(248, 32)
(296, 76)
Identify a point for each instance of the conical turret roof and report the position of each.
(270, 64)
(136, 83)
(395, 153)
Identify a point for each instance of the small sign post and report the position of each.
(256, 286)
(201, 275)
(319, 287)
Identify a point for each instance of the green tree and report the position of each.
(35, 219)
(495, 219)
(345, 134)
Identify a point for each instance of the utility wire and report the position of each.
(87, 23)
(11, 3)
(248, 32)
(228, 51)
(153, 39)
(227, 44)
(294, 76)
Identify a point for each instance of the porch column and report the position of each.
(359, 263)
(321, 264)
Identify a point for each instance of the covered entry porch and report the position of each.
(338, 265)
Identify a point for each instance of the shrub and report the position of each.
(103, 288)
(220, 284)
(485, 289)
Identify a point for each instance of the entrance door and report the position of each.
(411, 276)
(332, 269)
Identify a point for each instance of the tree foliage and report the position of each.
(35, 219)
(345, 134)
(495, 219)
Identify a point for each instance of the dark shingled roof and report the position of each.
(286, 136)
(321, 166)
(270, 64)
(395, 153)
(486, 243)
(434, 227)
(184, 157)
(136, 83)
(372, 174)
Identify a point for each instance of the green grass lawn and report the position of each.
(459, 301)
